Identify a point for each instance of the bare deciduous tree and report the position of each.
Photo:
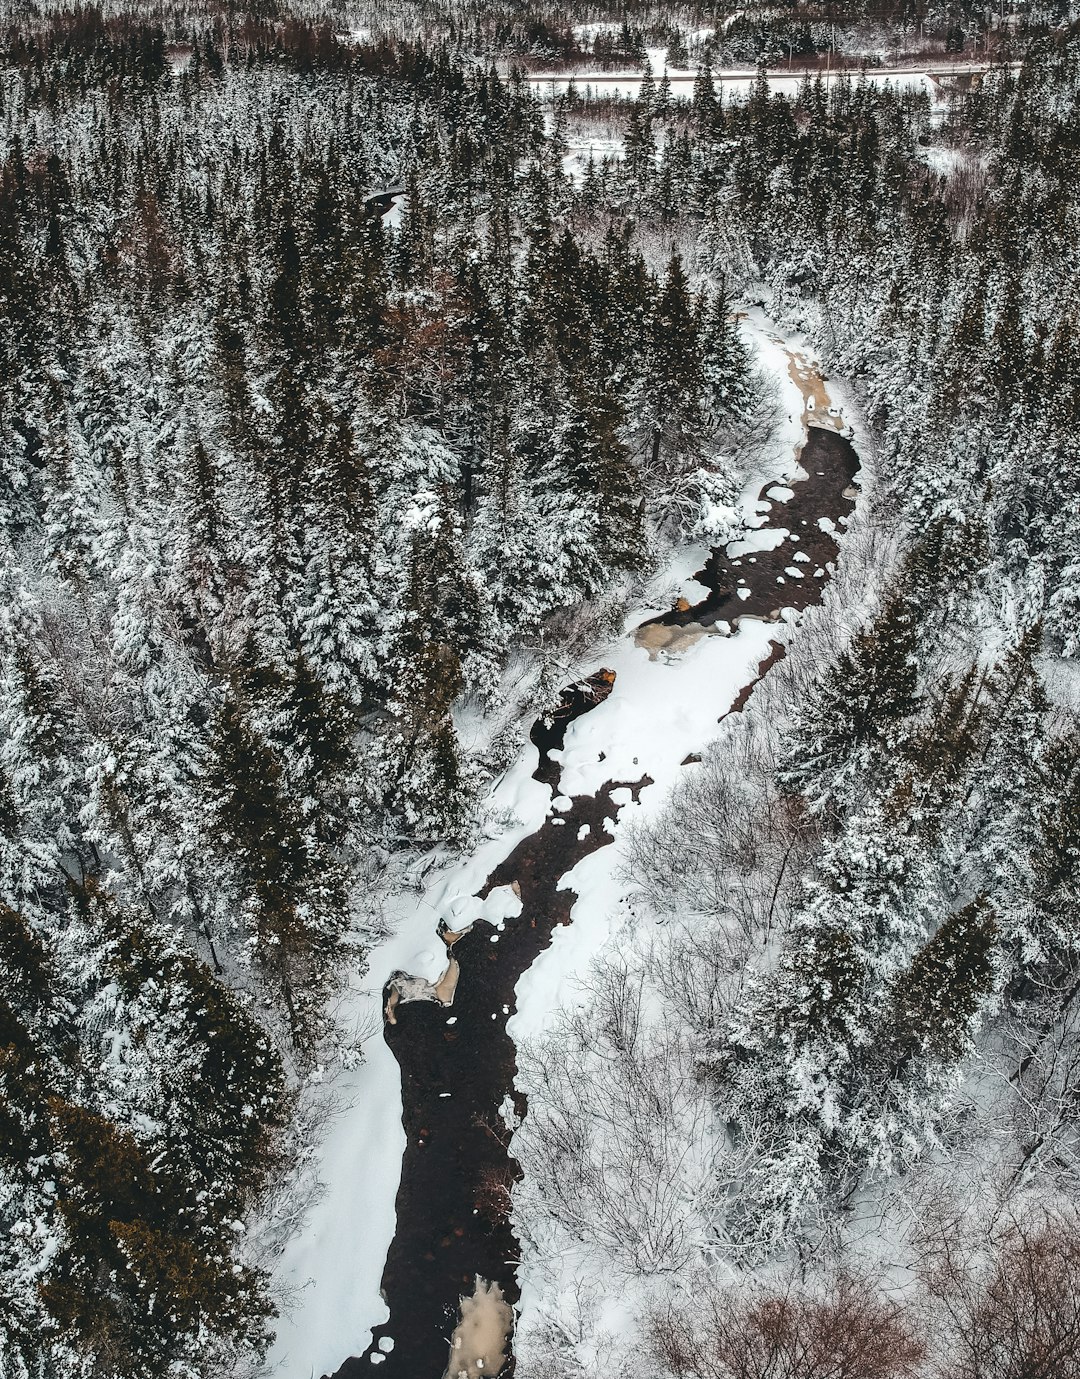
(1046, 1096)
(850, 1333)
(1012, 1312)
(618, 1146)
(728, 844)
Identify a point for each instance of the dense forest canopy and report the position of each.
(290, 488)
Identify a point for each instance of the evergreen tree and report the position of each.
(937, 1002)
(293, 933)
(859, 710)
(704, 102)
(674, 385)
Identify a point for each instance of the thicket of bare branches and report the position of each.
(1042, 1065)
(1010, 1310)
(1000, 1304)
(728, 844)
(850, 1332)
(615, 1147)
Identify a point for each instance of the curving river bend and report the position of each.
(458, 1062)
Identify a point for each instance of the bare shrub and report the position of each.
(729, 843)
(1044, 1048)
(852, 1333)
(1011, 1312)
(699, 968)
(573, 1341)
(618, 1146)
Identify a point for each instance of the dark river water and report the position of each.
(453, 1201)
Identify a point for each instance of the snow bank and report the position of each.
(327, 1278)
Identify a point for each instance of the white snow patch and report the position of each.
(396, 214)
(766, 540)
(1062, 680)
(460, 912)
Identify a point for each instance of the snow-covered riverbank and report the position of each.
(664, 707)
(662, 711)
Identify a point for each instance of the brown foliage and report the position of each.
(850, 1334)
(1017, 1316)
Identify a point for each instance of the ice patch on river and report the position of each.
(758, 541)
(404, 987)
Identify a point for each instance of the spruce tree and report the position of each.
(704, 101)
(938, 1001)
(858, 712)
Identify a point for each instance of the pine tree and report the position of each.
(1045, 933)
(1008, 343)
(726, 361)
(662, 104)
(639, 143)
(964, 381)
(784, 1074)
(1007, 776)
(704, 102)
(145, 1102)
(646, 97)
(938, 1001)
(677, 56)
(946, 561)
(286, 294)
(941, 753)
(859, 711)
(674, 378)
(256, 828)
(598, 467)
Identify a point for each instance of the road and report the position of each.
(934, 72)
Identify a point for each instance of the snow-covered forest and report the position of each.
(358, 396)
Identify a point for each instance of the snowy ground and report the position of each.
(583, 150)
(661, 709)
(659, 712)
